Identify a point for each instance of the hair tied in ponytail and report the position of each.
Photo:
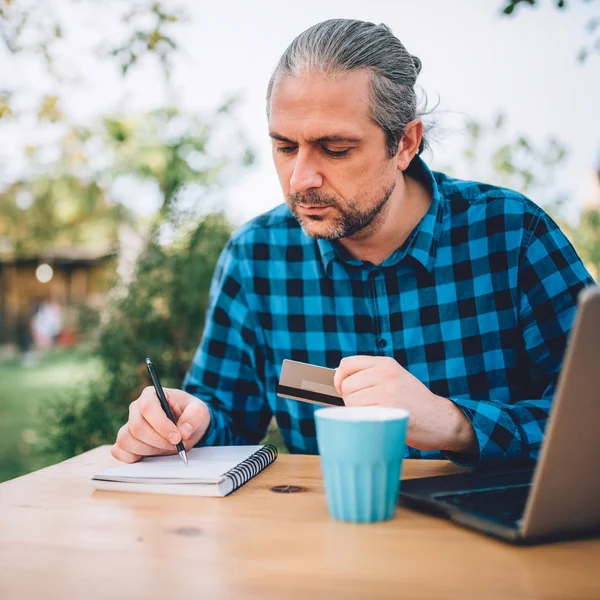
(417, 62)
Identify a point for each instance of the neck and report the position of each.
(405, 208)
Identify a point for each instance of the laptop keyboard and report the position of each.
(505, 504)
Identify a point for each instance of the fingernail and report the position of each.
(187, 429)
(174, 438)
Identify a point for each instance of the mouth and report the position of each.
(313, 210)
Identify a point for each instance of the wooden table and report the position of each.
(60, 539)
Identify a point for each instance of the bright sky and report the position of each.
(475, 61)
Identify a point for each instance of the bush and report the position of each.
(161, 315)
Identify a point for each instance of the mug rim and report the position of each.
(343, 413)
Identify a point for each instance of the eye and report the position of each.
(336, 153)
(286, 149)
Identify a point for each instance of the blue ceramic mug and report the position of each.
(361, 452)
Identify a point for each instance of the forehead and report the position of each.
(313, 104)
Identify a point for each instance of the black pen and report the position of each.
(165, 405)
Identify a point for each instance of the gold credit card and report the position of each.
(308, 383)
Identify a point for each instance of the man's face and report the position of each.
(329, 155)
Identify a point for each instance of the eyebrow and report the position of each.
(319, 140)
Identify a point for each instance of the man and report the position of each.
(448, 298)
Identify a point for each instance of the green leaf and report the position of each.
(592, 24)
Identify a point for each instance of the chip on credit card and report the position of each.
(308, 383)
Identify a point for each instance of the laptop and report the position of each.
(558, 498)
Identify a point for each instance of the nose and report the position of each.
(305, 175)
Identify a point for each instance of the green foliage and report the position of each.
(593, 46)
(153, 39)
(26, 389)
(163, 146)
(81, 420)
(519, 163)
(35, 29)
(161, 311)
(57, 211)
(585, 236)
(512, 4)
(490, 154)
(161, 315)
(69, 201)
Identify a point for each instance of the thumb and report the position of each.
(195, 417)
(337, 380)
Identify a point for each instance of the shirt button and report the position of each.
(381, 343)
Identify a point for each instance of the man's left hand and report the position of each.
(435, 423)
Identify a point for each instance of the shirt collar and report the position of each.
(421, 244)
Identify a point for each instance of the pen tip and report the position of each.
(148, 361)
(183, 455)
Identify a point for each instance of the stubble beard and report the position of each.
(349, 221)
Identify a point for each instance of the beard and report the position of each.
(348, 220)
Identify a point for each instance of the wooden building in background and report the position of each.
(80, 276)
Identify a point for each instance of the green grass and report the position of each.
(274, 437)
(26, 391)
(23, 393)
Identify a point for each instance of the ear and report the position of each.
(409, 143)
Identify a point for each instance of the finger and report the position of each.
(194, 417)
(361, 398)
(152, 411)
(178, 400)
(350, 365)
(359, 381)
(140, 429)
(128, 442)
(174, 400)
(123, 455)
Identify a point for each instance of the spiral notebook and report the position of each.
(212, 471)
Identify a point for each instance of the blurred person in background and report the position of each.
(46, 323)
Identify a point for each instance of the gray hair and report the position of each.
(338, 46)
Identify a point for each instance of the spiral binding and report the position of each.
(253, 465)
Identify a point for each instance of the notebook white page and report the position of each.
(205, 465)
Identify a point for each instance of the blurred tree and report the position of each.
(490, 154)
(160, 312)
(517, 163)
(81, 183)
(592, 26)
(36, 29)
(177, 152)
(71, 199)
(161, 315)
(585, 234)
(149, 24)
(59, 203)
(54, 193)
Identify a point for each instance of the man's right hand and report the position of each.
(149, 432)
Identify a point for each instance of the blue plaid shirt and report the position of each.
(477, 304)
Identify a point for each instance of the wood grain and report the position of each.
(61, 539)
